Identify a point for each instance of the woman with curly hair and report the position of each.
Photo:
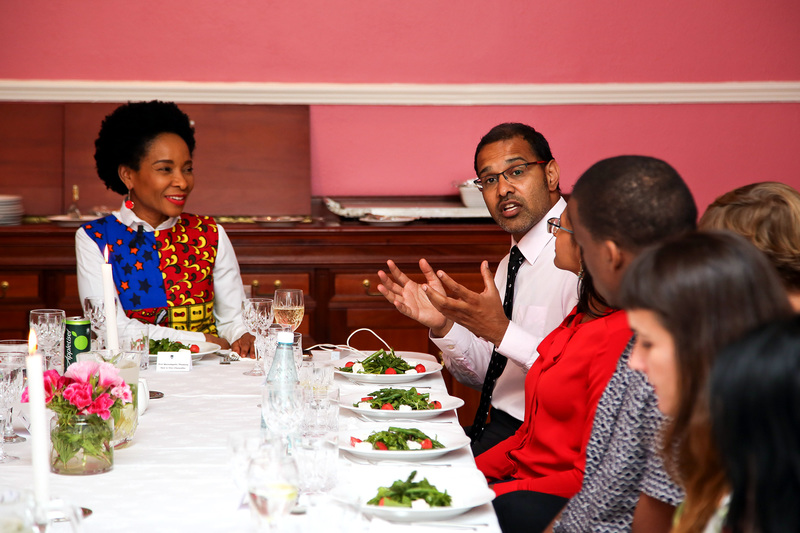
(175, 271)
(768, 215)
(686, 299)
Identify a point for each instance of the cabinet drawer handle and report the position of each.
(366, 284)
(4, 285)
(255, 285)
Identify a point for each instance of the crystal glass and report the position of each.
(272, 344)
(18, 347)
(289, 307)
(11, 369)
(257, 314)
(243, 445)
(16, 510)
(282, 409)
(49, 327)
(94, 310)
(136, 338)
(272, 487)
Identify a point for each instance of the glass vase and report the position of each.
(81, 445)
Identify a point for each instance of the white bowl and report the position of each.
(471, 196)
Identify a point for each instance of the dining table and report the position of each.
(176, 474)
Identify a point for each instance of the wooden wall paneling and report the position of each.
(81, 125)
(32, 155)
(251, 160)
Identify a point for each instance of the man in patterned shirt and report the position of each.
(618, 207)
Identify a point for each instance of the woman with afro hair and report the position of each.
(175, 271)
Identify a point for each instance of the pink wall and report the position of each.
(420, 150)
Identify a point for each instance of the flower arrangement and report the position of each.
(90, 394)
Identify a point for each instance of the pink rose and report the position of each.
(108, 376)
(78, 394)
(123, 392)
(81, 371)
(53, 382)
(101, 406)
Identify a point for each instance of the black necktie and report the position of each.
(498, 362)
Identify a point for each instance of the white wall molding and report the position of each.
(400, 94)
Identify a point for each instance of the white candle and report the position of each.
(110, 305)
(40, 454)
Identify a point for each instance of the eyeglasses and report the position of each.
(514, 175)
(554, 226)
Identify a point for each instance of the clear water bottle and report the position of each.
(283, 369)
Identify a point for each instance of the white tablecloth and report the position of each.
(176, 475)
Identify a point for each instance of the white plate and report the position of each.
(286, 221)
(449, 403)
(205, 349)
(466, 486)
(431, 367)
(453, 438)
(67, 221)
(381, 220)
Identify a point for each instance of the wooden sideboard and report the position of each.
(334, 262)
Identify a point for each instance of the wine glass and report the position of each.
(49, 326)
(282, 409)
(94, 310)
(289, 307)
(272, 486)
(18, 347)
(257, 316)
(11, 367)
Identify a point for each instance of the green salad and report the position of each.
(398, 439)
(391, 399)
(166, 345)
(381, 362)
(402, 493)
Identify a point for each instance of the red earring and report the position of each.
(128, 201)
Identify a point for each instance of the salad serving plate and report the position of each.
(466, 486)
(205, 349)
(448, 402)
(413, 359)
(453, 438)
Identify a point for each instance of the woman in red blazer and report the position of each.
(546, 456)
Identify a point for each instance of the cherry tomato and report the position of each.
(194, 348)
(420, 368)
(387, 407)
(427, 444)
(354, 441)
(436, 404)
(367, 398)
(349, 364)
(390, 370)
(380, 502)
(381, 446)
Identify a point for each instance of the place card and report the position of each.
(180, 361)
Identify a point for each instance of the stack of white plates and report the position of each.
(10, 210)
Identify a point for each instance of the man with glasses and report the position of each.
(479, 333)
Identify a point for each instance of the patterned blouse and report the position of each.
(622, 457)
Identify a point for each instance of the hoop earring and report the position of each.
(128, 201)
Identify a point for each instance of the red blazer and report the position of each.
(548, 452)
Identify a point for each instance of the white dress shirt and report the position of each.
(543, 296)
(228, 291)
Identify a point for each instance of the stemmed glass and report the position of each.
(282, 409)
(16, 347)
(49, 326)
(257, 314)
(289, 307)
(11, 367)
(94, 310)
(272, 486)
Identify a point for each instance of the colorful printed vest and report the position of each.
(163, 277)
